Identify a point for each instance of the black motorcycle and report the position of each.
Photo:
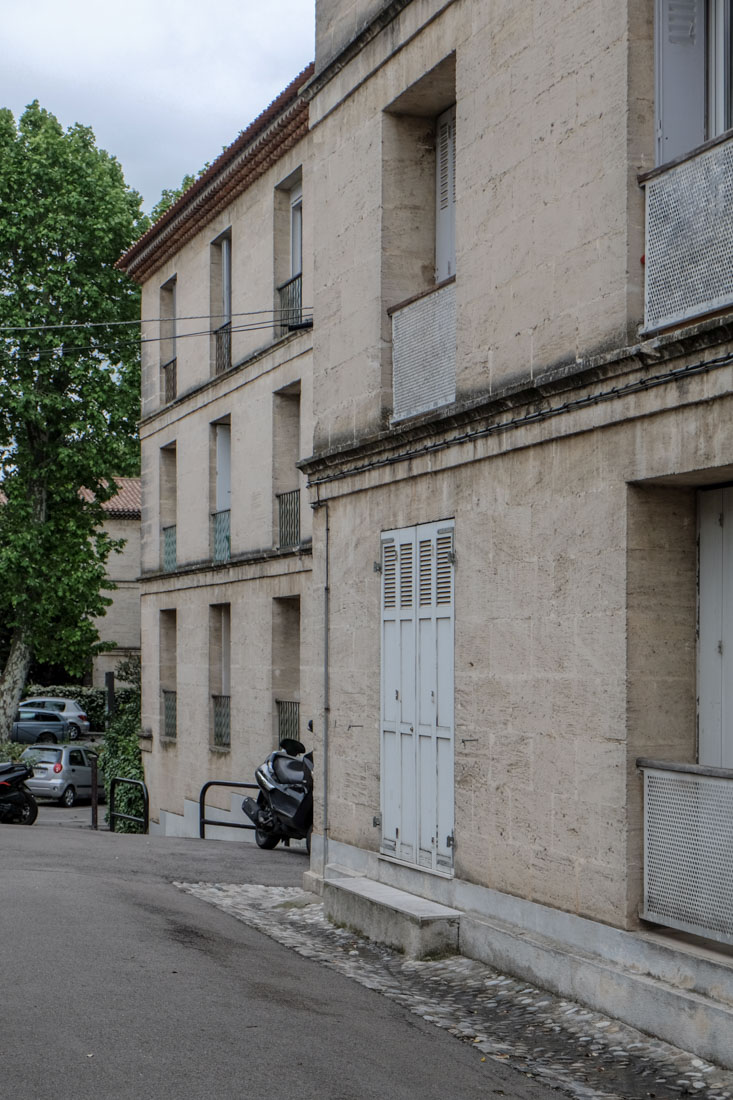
(17, 804)
(284, 807)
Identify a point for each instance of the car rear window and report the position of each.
(43, 756)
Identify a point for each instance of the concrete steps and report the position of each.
(414, 925)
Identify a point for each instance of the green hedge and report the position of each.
(92, 700)
(120, 756)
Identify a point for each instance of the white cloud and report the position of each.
(164, 84)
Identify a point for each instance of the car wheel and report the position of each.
(68, 798)
(74, 731)
(48, 739)
(29, 812)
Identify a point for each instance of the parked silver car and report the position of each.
(75, 715)
(63, 772)
(33, 726)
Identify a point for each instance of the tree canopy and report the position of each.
(69, 384)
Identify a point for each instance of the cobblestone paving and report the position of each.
(579, 1052)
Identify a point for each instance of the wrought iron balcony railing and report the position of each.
(688, 848)
(288, 507)
(222, 727)
(288, 719)
(170, 380)
(169, 548)
(291, 304)
(221, 535)
(170, 715)
(223, 344)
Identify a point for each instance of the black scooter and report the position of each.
(17, 804)
(284, 806)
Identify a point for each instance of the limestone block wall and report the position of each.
(575, 636)
(553, 122)
(176, 770)
(250, 221)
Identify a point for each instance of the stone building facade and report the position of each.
(226, 414)
(515, 426)
(521, 449)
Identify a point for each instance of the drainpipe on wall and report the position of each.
(326, 699)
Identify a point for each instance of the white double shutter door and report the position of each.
(223, 467)
(417, 720)
(715, 628)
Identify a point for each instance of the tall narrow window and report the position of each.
(220, 673)
(221, 303)
(286, 667)
(168, 675)
(694, 92)
(289, 255)
(168, 507)
(221, 527)
(168, 362)
(445, 195)
(286, 476)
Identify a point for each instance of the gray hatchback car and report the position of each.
(34, 726)
(63, 772)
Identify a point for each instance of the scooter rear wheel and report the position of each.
(29, 812)
(266, 840)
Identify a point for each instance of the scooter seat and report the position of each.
(7, 766)
(287, 769)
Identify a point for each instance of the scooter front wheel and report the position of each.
(266, 840)
(29, 811)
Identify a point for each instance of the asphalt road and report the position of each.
(118, 985)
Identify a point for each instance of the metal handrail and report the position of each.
(204, 821)
(114, 815)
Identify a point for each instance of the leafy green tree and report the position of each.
(69, 386)
(169, 195)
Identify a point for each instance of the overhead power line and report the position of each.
(81, 325)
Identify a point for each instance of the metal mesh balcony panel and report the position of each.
(291, 304)
(689, 229)
(288, 719)
(222, 728)
(424, 353)
(169, 548)
(288, 506)
(170, 715)
(688, 853)
(223, 342)
(222, 539)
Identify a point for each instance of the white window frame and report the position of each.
(296, 231)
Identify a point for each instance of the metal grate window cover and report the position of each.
(291, 304)
(688, 853)
(689, 229)
(288, 508)
(170, 715)
(170, 380)
(288, 719)
(223, 343)
(221, 535)
(424, 353)
(169, 548)
(222, 727)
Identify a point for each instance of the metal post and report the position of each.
(95, 787)
(109, 683)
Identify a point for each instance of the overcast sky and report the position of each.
(164, 84)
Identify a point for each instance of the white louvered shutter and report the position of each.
(445, 196)
(417, 695)
(680, 54)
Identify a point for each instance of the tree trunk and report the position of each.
(12, 682)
